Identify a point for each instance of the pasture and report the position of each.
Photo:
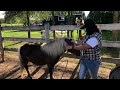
(24, 34)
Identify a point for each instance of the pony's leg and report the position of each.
(51, 72)
(21, 72)
(22, 66)
(26, 67)
(50, 67)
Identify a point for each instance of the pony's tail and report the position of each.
(21, 62)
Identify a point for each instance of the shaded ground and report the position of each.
(66, 68)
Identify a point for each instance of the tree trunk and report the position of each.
(54, 36)
(69, 23)
(115, 20)
(28, 22)
(1, 45)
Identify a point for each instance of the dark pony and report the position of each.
(48, 54)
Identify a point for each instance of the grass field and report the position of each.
(107, 35)
(110, 52)
(4, 24)
(23, 34)
(16, 33)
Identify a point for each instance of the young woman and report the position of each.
(90, 50)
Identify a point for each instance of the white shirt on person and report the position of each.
(92, 42)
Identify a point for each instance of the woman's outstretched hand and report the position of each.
(68, 47)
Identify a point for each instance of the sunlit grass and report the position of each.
(4, 24)
(23, 34)
(108, 65)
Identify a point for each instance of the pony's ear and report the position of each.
(71, 39)
(66, 39)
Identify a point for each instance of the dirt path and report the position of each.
(63, 69)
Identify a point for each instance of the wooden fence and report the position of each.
(47, 28)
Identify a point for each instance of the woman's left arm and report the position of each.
(91, 43)
(82, 47)
(79, 47)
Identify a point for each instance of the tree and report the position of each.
(101, 17)
(1, 20)
(9, 15)
(105, 17)
(115, 20)
(23, 16)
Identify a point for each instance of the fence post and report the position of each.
(1, 45)
(47, 35)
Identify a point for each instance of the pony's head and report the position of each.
(69, 41)
(57, 47)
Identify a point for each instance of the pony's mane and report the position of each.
(54, 48)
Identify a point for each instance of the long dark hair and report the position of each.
(90, 26)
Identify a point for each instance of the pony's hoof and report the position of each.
(29, 77)
(51, 78)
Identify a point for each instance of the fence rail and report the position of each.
(105, 43)
(108, 60)
(114, 26)
(25, 28)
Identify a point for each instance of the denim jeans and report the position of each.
(90, 66)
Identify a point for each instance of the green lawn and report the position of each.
(16, 33)
(22, 34)
(4, 24)
(107, 35)
(110, 52)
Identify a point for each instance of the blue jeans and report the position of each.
(90, 66)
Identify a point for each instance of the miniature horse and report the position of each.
(48, 54)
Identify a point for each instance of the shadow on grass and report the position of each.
(110, 51)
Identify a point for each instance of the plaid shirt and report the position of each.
(93, 53)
